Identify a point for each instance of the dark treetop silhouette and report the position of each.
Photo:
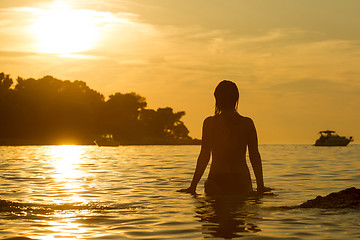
(226, 136)
(52, 111)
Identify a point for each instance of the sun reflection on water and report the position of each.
(66, 158)
(67, 161)
(68, 184)
(64, 228)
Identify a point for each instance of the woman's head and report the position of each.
(226, 96)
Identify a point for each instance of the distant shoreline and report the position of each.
(157, 142)
(33, 142)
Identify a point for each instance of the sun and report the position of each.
(63, 30)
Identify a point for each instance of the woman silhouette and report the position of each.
(226, 135)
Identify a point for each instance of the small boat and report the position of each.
(106, 140)
(329, 138)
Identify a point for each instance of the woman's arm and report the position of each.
(202, 160)
(255, 157)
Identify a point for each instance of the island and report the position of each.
(52, 111)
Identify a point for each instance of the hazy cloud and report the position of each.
(314, 86)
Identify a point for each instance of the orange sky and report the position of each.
(296, 63)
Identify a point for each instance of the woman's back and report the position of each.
(228, 138)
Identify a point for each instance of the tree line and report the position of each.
(53, 111)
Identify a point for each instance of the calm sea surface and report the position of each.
(89, 192)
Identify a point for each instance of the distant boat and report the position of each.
(106, 140)
(329, 138)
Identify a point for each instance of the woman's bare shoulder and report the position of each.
(209, 120)
(244, 119)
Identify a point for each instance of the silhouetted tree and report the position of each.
(164, 123)
(5, 82)
(52, 108)
(48, 110)
(121, 115)
(7, 110)
(180, 131)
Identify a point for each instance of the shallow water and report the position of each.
(87, 192)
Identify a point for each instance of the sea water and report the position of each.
(129, 192)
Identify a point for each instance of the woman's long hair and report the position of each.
(226, 96)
